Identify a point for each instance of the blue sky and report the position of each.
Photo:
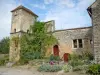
(66, 13)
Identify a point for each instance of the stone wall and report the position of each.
(16, 20)
(21, 20)
(96, 29)
(14, 52)
(50, 26)
(66, 37)
(27, 20)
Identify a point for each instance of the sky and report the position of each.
(66, 13)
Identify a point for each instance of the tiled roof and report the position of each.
(26, 9)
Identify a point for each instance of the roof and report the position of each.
(26, 9)
(73, 28)
(89, 9)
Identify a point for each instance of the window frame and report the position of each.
(74, 43)
(77, 44)
(80, 43)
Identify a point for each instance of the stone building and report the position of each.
(69, 40)
(74, 40)
(94, 12)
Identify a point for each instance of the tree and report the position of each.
(34, 44)
(4, 45)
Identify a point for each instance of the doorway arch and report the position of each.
(56, 50)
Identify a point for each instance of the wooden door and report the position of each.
(65, 57)
(56, 50)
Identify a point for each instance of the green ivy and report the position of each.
(94, 69)
(34, 44)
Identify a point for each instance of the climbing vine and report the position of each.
(34, 44)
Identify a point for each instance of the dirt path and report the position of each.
(21, 71)
(26, 71)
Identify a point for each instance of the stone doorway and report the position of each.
(56, 50)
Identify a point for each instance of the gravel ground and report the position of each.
(29, 71)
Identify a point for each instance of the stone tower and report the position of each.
(94, 11)
(22, 18)
(50, 26)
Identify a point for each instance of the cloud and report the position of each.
(70, 14)
(39, 6)
(5, 15)
(48, 1)
(61, 3)
(83, 4)
(66, 3)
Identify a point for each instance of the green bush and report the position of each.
(4, 60)
(54, 58)
(80, 68)
(22, 62)
(35, 43)
(78, 60)
(4, 45)
(75, 63)
(94, 69)
(50, 68)
(67, 68)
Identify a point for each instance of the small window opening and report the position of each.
(15, 14)
(16, 43)
(27, 31)
(80, 43)
(75, 43)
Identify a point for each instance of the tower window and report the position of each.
(16, 43)
(15, 14)
(14, 30)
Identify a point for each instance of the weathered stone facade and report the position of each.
(69, 40)
(22, 18)
(94, 11)
(65, 39)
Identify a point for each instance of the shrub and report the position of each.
(54, 58)
(80, 68)
(23, 61)
(4, 60)
(35, 43)
(67, 68)
(4, 45)
(75, 63)
(50, 68)
(94, 69)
